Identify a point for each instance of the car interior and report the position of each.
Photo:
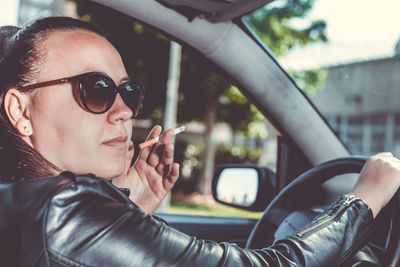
(313, 165)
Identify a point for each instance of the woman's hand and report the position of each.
(379, 180)
(153, 174)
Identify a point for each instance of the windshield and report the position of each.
(345, 55)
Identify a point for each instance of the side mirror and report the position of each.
(248, 187)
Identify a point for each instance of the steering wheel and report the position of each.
(264, 229)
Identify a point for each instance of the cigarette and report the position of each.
(155, 139)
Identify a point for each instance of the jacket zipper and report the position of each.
(325, 221)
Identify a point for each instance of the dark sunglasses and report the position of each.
(96, 91)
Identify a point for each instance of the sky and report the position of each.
(357, 29)
(8, 12)
(371, 14)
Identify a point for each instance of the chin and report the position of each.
(110, 173)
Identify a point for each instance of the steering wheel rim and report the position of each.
(320, 174)
(392, 251)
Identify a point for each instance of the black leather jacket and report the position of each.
(86, 221)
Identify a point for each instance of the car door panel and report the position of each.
(219, 229)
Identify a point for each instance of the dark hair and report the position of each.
(21, 52)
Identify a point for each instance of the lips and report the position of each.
(120, 141)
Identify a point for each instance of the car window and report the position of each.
(221, 125)
(235, 132)
(347, 64)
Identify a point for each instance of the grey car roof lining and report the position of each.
(214, 10)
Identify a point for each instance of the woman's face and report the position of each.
(65, 134)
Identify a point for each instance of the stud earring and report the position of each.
(27, 130)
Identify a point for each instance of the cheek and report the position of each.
(57, 117)
(66, 135)
(72, 138)
(62, 132)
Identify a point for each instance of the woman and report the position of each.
(66, 106)
(91, 145)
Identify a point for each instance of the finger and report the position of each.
(167, 136)
(381, 158)
(172, 177)
(157, 152)
(164, 166)
(156, 131)
(384, 154)
(168, 154)
(144, 153)
(155, 155)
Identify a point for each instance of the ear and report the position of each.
(15, 105)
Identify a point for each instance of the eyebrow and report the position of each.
(125, 79)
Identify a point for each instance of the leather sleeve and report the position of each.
(91, 223)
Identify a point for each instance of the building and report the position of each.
(31, 9)
(361, 102)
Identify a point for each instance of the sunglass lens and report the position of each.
(132, 95)
(98, 94)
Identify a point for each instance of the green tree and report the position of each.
(276, 28)
(274, 23)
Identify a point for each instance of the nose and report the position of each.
(119, 111)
